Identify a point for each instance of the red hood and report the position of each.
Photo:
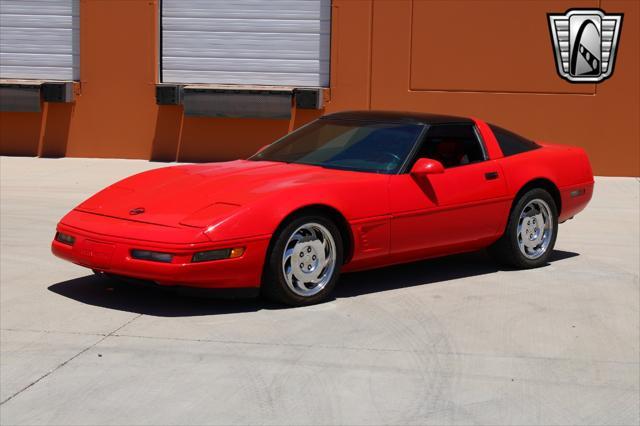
(171, 194)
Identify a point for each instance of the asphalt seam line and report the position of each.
(30, 330)
(47, 374)
(300, 345)
(366, 349)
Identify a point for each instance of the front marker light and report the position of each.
(154, 256)
(65, 239)
(236, 252)
(206, 256)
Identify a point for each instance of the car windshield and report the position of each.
(346, 144)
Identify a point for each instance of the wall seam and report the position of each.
(371, 10)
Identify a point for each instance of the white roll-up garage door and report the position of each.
(39, 39)
(274, 42)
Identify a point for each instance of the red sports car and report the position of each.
(349, 191)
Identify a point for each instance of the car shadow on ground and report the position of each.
(156, 301)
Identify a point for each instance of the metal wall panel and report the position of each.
(208, 103)
(276, 42)
(23, 98)
(40, 39)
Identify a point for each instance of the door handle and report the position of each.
(491, 175)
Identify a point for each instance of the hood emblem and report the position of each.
(137, 210)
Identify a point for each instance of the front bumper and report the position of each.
(112, 255)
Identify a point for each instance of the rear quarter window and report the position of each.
(510, 143)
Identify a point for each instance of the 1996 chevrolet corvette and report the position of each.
(349, 191)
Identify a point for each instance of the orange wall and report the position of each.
(490, 59)
(490, 74)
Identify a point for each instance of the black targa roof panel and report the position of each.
(396, 117)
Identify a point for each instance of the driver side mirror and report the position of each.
(427, 166)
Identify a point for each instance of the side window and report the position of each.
(452, 144)
(510, 143)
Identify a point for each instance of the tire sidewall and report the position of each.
(519, 257)
(275, 284)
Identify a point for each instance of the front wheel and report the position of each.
(303, 263)
(531, 231)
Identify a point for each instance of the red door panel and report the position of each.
(463, 205)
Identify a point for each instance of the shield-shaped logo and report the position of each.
(585, 43)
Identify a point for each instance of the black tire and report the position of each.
(274, 285)
(506, 250)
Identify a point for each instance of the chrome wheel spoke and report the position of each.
(326, 262)
(540, 219)
(288, 273)
(287, 254)
(295, 238)
(530, 244)
(315, 281)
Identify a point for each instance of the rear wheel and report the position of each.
(303, 263)
(531, 231)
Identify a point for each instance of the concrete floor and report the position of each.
(448, 341)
